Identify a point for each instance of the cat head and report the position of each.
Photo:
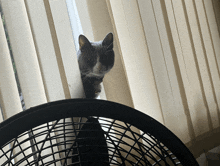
(96, 58)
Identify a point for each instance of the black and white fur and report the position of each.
(95, 60)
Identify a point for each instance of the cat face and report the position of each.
(96, 58)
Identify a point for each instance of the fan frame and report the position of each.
(44, 113)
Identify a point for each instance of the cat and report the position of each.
(95, 60)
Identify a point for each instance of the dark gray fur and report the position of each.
(95, 60)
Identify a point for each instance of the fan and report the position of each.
(80, 132)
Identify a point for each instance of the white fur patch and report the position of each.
(98, 70)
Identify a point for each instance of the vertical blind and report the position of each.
(166, 65)
(44, 54)
(45, 58)
(167, 62)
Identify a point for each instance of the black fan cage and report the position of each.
(88, 132)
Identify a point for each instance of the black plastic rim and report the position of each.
(44, 113)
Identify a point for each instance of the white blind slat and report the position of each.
(24, 52)
(211, 58)
(45, 49)
(213, 29)
(158, 60)
(198, 109)
(67, 58)
(202, 63)
(176, 114)
(135, 57)
(1, 117)
(8, 87)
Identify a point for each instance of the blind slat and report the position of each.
(45, 49)
(9, 95)
(198, 45)
(198, 111)
(176, 114)
(67, 58)
(24, 52)
(1, 117)
(211, 55)
(135, 57)
(216, 7)
(213, 28)
(154, 41)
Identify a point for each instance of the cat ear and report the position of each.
(83, 41)
(110, 47)
(108, 40)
